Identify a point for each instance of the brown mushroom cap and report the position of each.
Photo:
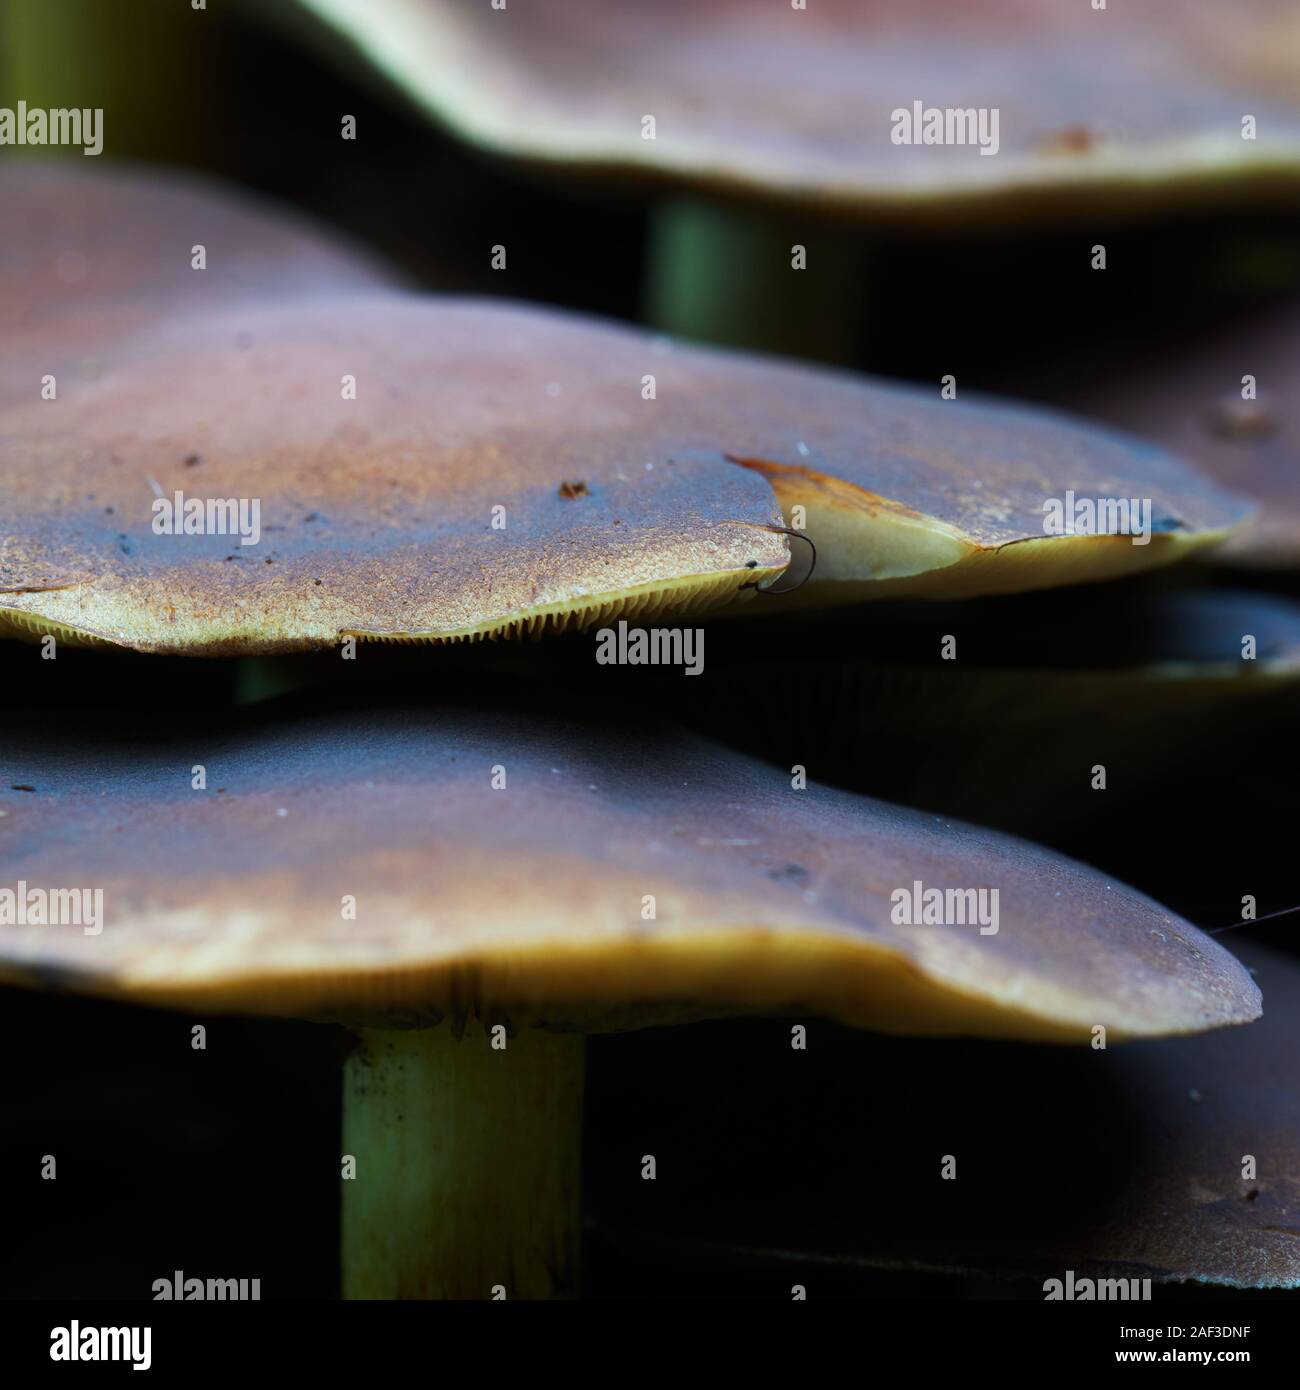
(906, 495)
(91, 256)
(1137, 105)
(1188, 398)
(379, 511)
(529, 902)
(1137, 1168)
(1187, 1211)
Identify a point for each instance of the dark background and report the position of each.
(226, 1161)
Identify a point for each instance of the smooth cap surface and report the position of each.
(366, 866)
(1135, 105)
(374, 463)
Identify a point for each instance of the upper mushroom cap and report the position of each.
(612, 502)
(908, 495)
(88, 257)
(1138, 103)
(498, 468)
(380, 514)
(1189, 399)
(529, 901)
(497, 471)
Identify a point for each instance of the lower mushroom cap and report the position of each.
(530, 901)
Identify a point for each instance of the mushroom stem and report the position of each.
(467, 1160)
(726, 274)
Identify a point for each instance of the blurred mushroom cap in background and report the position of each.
(1129, 1163)
(1226, 399)
(1135, 107)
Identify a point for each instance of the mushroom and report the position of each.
(1169, 1161)
(1224, 399)
(907, 495)
(91, 257)
(476, 891)
(1132, 106)
(439, 503)
(931, 113)
(388, 466)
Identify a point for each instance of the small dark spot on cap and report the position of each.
(1252, 1194)
(193, 460)
(575, 489)
(20, 787)
(751, 564)
(315, 581)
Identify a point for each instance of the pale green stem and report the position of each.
(467, 1164)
